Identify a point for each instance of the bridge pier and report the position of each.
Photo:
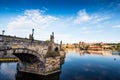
(42, 64)
(50, 66)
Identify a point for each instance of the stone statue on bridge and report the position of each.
(51, 45)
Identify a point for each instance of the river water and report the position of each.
(77, 66)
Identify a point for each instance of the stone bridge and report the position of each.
(38, 59)
(35, 62)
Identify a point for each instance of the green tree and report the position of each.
(30, 37)
(118, 46)
(67, 45)
(47, 41)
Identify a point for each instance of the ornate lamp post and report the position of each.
(3, 31)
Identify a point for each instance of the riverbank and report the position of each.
(8, 59)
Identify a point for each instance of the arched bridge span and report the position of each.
(25, 55)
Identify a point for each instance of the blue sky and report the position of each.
(71, 20)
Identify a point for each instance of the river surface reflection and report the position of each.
(77, 66)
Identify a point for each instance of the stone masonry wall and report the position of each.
(52, 64)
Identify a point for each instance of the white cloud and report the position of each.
(22, 25)
(67, 29)
(99, 31)
(82, 17)
(64, 38)
(45, 9)
(91, 31)
(96, 18)
(116, 26)
(84, 28)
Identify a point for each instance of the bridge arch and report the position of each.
(27, 55)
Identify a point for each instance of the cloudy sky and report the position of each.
(70, 20)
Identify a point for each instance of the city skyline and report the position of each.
(71, 20)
